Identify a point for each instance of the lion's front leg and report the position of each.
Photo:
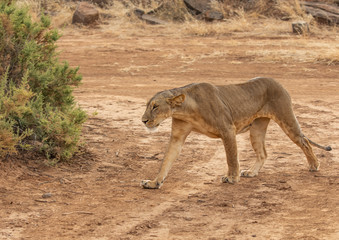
(172, 153)
(180, 131)
(230, 144)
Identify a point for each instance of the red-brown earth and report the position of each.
(98, 194)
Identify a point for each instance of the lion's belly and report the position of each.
(244, 124)
(206, 132)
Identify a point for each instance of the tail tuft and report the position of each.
(328, 148)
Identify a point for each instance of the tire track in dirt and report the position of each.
(204, 173)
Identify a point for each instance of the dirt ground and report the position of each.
(98, 195)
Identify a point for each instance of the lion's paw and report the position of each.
(248, 173)
(148, 184)
(314, 168)
(230, 179)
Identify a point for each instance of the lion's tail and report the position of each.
(326, 148)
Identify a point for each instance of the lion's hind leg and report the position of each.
(257, 136)
(311, 158)
(290, 126)
(304, 144)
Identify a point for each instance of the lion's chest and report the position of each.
(199, 125)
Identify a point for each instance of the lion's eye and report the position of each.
(154, 107)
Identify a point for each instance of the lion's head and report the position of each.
(161, 107)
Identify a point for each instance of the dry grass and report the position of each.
(297, 50)
(240, 23)
(34, 5)
(60, 11)
(291, 9)
(330, 56)
(271, 39)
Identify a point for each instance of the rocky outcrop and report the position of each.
(322, 12)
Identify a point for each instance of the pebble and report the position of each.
(46, 195)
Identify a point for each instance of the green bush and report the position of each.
(36, 101)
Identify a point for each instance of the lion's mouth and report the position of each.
(151, 124)
(153, 129)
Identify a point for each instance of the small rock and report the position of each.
(199, 6)
(85, 13)
(46, 195)
(152, 20)
(139, 12)
(300, 27)
(211, 15)
(202, 9)
(148, 18)
(101, 3)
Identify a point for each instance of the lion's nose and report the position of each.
(144, 121)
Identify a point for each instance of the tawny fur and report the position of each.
(223, 112)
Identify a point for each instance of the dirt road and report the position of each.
(98, 195)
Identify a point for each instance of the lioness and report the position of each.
(223, 112)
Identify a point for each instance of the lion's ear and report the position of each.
(176, 101)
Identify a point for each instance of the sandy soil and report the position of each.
(98, 195)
